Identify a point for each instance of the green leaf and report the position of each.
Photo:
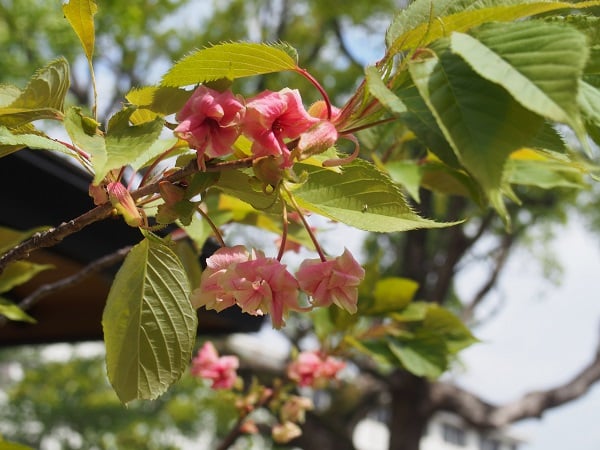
(89, 140)
(545, 172)
(424, 21)
(10, 143)
(8, 94)
(149, 323)
(381, 92)
(539, 63)
(441, 322)
(408, 174)
(80, 14)
(424, 355)
(6, 445)
(237, 183)
(480, 120)
(361, 196)
(20, 272)
(163, 100)
(229, 60)
(391, 295)
(42, 98)
(13, 312)
(589, 101)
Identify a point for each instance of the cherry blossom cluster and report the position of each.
(309, 369)
(211, 122)
(263, 285)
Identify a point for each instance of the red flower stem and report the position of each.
(212, 225)
(284, 232)
(316, 84)
(312, 236)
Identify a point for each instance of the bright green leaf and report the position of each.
(361, 196)
(91, 141)
(10, 142)
(229, 60)
(149, 323)
(13, 312)
(391, 295)
(80, 14)
(424, 21)
(163, 100)
(480, 120)
(382, 93)
(20, 272)
(539, 63)
(441, 322)
(6, 445)
(545, 173)
(42, 98)
(408, 174)
(8, 94)
(425, 355)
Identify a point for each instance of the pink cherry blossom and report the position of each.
(273, 117)
(220, 369)
(210, 122)
(332, 281)
(262, 285)
(314, 368)
(211, 293)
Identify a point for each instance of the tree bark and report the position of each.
(410, 410)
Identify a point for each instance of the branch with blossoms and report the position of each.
(311, 369)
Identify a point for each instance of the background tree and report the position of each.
(432, 258)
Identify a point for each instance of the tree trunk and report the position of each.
(410, 410)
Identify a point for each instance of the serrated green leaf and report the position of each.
(149, 323)
(539, 63)
(10, 143)
(390, 295)
(480, 120)
(589, 102)
(80, 14)
(361, 196)
(228, 60)
(90, 141)
(42, 98)
(13, 312)
(20, 272)
(425, 21)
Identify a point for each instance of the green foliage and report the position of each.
(149, 323)
(229, 61)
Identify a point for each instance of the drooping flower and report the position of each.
(211, 293)
(314, 369)
(332, 281)
(220, 369)
(274, 117)
(263, 285)
(122, 201)
(210, 122)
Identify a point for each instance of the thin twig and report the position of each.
(50, 288)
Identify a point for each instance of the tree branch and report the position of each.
(50, 288)
(482, 414)
(55, 235)
(501, 258)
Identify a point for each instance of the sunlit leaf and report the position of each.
(424, 21)
(425, 355)
(42, 98)
(539, 63)
(390, 295)
(149, 323)
(13, 312)
(80, 14)
(229, 60)
(10, 142)
(20, 272)
(480, 120)
(361, 196)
